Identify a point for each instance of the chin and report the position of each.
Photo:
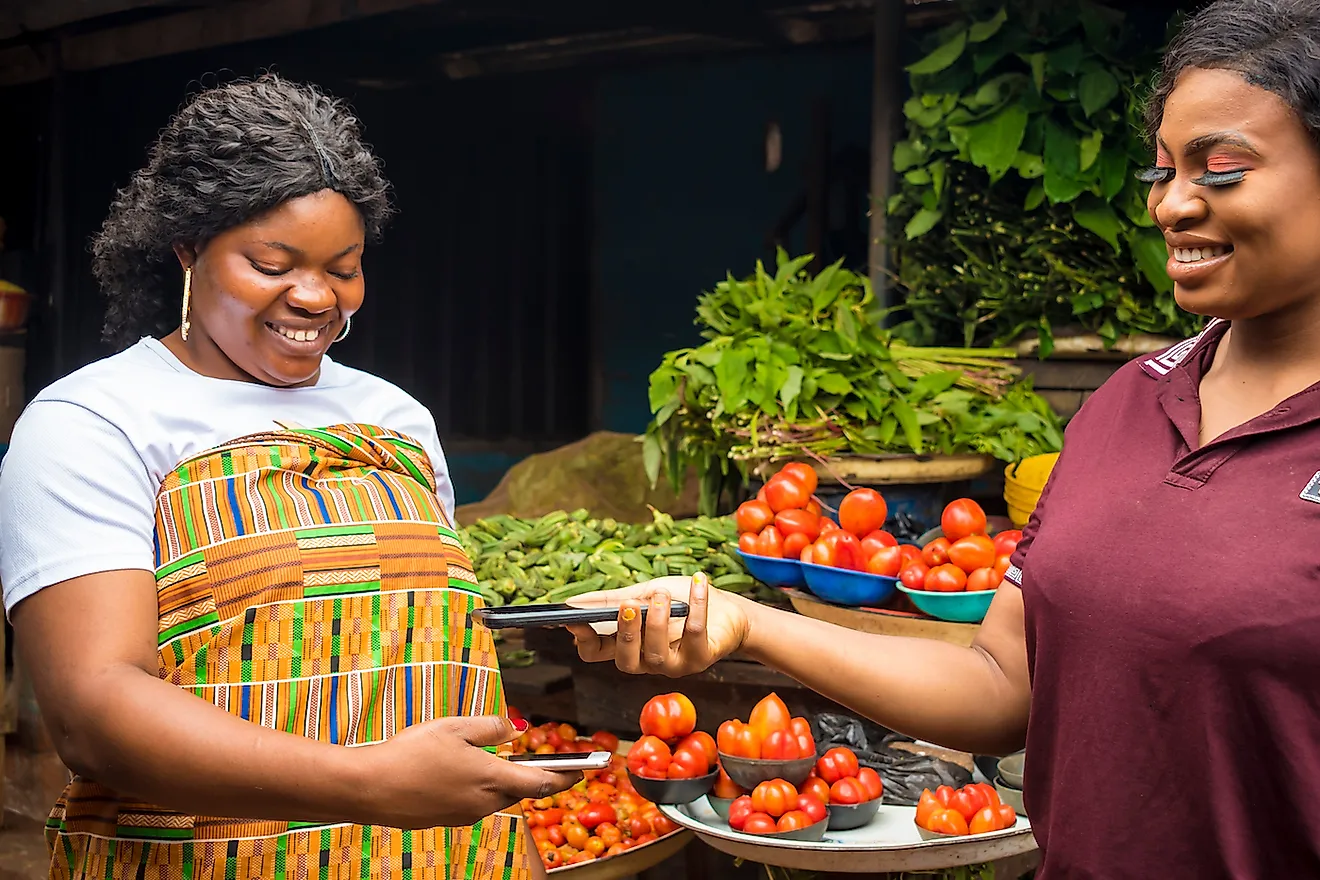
(1210, 303)
(288, 375)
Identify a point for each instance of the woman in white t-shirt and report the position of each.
(227, 557)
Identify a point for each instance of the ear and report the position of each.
(186, 253)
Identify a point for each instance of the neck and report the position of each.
(1278, 349)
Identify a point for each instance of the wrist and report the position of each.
(755, 617)
(358, 775)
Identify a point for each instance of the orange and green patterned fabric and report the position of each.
(309, 581)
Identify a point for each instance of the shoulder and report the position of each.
(1136, 384)
(108, 376)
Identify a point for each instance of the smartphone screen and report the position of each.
(598, 760)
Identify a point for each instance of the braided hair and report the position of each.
(233, 153)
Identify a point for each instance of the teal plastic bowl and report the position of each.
(774, 572)
(844, 587)
(953, 607)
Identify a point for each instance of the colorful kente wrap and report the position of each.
(309, 581)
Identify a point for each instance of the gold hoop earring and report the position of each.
(343, 334)
(184, 324)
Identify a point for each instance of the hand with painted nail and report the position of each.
(716, 625)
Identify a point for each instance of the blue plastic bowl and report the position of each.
(774, 572)
(844, 587)
(953, 607)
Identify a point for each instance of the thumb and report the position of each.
(485, 730)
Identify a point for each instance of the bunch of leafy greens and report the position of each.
(1019, 202)
(797, 366)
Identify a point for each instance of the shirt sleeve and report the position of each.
(1019, 558)
(75, 499)
(444, 488)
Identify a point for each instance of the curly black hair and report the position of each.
(232, 153)
(1273, 44)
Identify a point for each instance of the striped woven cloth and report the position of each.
(308, 581)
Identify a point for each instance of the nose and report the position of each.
(1176, 205)
(311, 293)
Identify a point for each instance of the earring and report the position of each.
(184, 325)
(343, 334)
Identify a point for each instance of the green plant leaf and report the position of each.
(1151, 255)
(792, 387)
(1037, 62)
(921, 223)
(651, 457)
(907, 155)
(1029, 166)
(994, 143)
(833, 383)
(1114, 172)
(1034, 197)
(1046, 337)
(1099, 217)
(1096, 89)
(1090, 149)
(1062, 164)
(907, 419)
(731, 376)
(942, 57)
(1066, 59)
(984, 30)
(937, 171)
(918, 177)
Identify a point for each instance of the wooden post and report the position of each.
(885, 105)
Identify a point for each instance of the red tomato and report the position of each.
(802, 732)
(1006, 542)
(838, 763)
(668, 716)
(812, 806)
(808, 554)
(726, 787)
(877, 539)
(688, 764)
(775, 797)
(927, 806)
(661, 825)
(1002, 564)
(649, 754)
(991, 796)
(575, 834)
(794, 545)
(962, 518)
(637, 826)
(760, 495)
(798, 522)
(972, 552)
(803, 473)
(795, 820)
(886, 562)
(944, 794)
(609, 833)
(747, 542)
(871, 781)
(813, 506)
(786, 493)
(982, 579)
(617, 849)
(913, 576)
(964, 803)
(976, 796)
(769, 715)
(862, 512)
(770, 543)
(780, 745)
(1007, 816)
(759, 823)
(948, 822)
(594, 814)
(752, 516)
(551, 859)
(817, 788)
(582, 858)
(848, 791)
(986, 819)
(702, 742)
(946, 579)
(828, 525)
(555, 834)
(936, 552)
(605, 741)
(911, 553)
(739, 740)
(739, 810)
(839, 549)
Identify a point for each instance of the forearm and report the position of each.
(931, 690)
(133, 732)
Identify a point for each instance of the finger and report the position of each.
(694, 649)
(483, 730)
(655, 646)
(628, 642)
(591, 646)
(519, 780)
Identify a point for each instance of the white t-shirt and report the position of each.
(78, 484)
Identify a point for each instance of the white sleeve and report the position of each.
(444, 487)
(75, 499)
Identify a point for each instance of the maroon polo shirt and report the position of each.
(1172, 599)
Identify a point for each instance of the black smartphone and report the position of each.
(532, 616)
(598, 760)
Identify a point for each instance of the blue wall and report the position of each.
(682, 194)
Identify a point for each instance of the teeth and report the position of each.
(298, 335)
(1195, 255)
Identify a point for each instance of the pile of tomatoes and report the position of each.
(972, 809)
(770, 733)
(778, 805)
(847, 782)
(671, 747)
(785, 522)
(551, 738)
(965, 558)
(601, 816)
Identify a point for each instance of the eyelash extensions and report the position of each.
(1160, 174)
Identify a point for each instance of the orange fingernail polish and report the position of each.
(629, 614)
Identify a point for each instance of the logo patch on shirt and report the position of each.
(1312, 490)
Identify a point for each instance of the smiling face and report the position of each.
(1236, 193)
(270, 295)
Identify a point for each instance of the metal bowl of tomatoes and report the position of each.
(846, 817)
(751, 772)
(812, 833)
(673, 791)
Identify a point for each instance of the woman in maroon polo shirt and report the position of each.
(1160, 652)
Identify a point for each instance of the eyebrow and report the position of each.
(1213, 139)
(290, 249)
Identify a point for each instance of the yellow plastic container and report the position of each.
(1023, 483)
